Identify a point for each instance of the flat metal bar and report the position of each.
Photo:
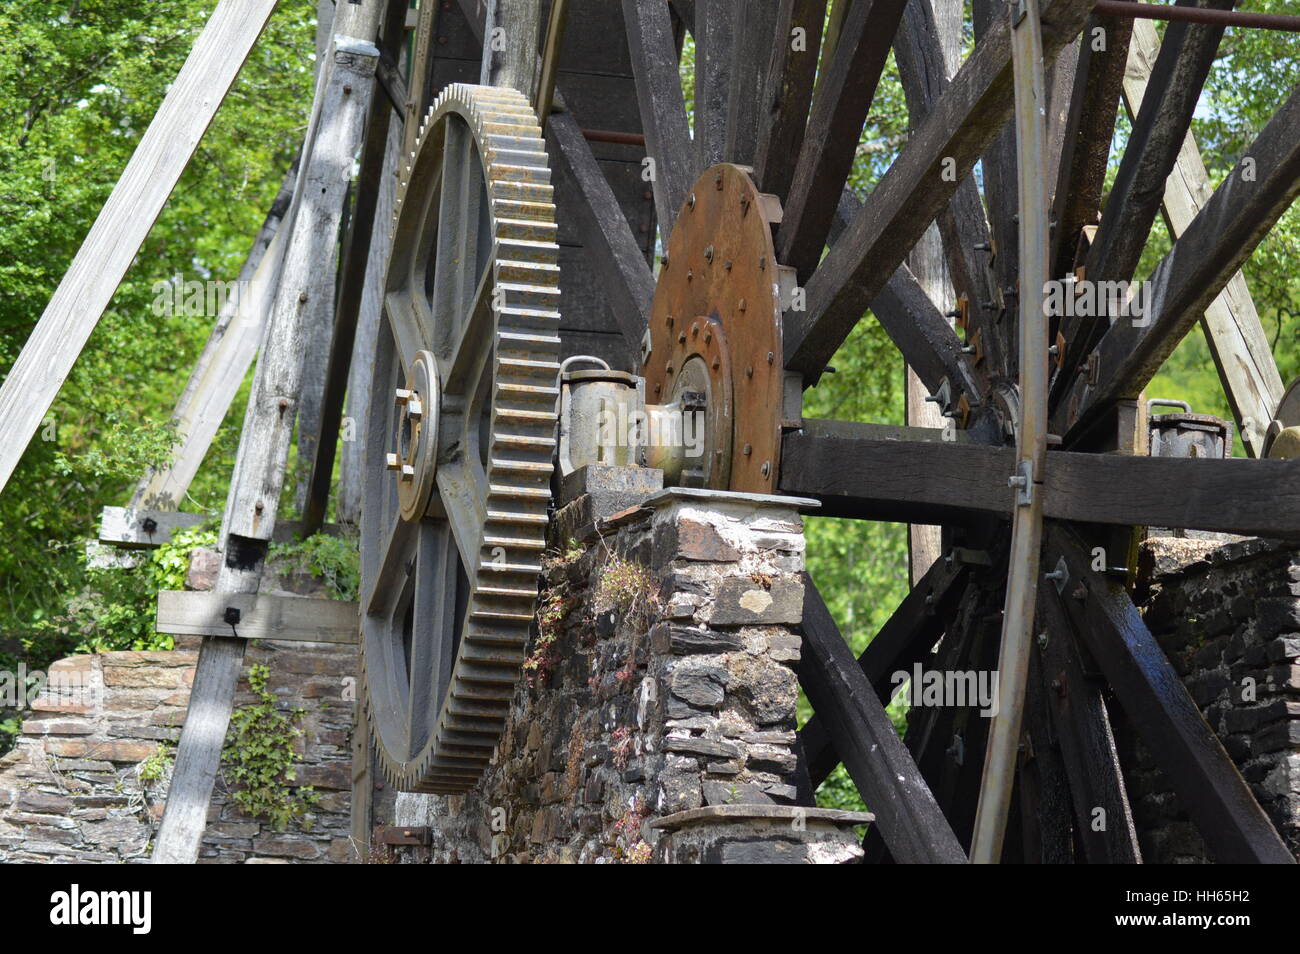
(551, 46)
(1227, 18)
(1027, 524)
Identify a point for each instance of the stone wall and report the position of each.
(1228, 617)
(662, 682)
(71, 791)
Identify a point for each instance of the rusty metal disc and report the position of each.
(720, 272)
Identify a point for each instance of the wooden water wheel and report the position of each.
(1036, 472)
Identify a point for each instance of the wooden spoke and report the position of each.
(663, 108)
(606, 234)
(1082, 724)
(1208, 784)
(1238, 343)
(1088, 132)
(907, 815)
(714, 37)
(1216, 244)
(923, 68)
(860, 470)
(1172, 92)
(1180, 71)
(844, 96)
(787, 93)
(915, 189)
(907, 637)
(751, 53)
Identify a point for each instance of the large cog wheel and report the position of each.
(460, 439)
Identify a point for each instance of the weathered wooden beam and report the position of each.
(1238, 343)
(1207, 782)
(854, 473)
(1247, 204)
(354, 261)
(124, 222)
(338, 115)
(136, 528)
(787, 92)
(716, 32)
(205, 613)
(915, 189)
(1082, 726)
(1089, 129)
(751, 52)
(663, 107)
(1180, 71)
(907, 637)
(1176, 80)
(844, 95)
(909, 819)
(606, 233)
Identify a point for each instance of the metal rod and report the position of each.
(1227, 18)
(1031, 443)
(618, 138)
(550, 61)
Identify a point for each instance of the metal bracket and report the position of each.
(1023, 482)
(1060, 576)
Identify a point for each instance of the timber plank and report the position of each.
(300, 618)
(787, 93)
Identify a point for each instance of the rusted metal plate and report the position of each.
(720, 275)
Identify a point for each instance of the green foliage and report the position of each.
(156, 767)
(258, 758)
(333, 559)
(79, 82)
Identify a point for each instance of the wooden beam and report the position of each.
(854, 473)
(751, 54)
(844, 95)
(1174, 87)
(205, 613)
(907, 637)
(716, 31)
(909, 818)
(354, 262)
(606, 234)
(663, 107)
(787, 93)
(140, 529)
(1089, 129)
(1208, 785)
(1238, 343)
(338, 115)
(917, 186)
(1247, 204)
(1082, 725)
(124, 222)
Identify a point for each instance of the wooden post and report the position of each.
(124, 222)
(338, 118)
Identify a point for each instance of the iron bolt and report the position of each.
(1042, 640)
(408, 472)
(766, 469)
(392, 462)
(747, 449)
(690, 202)
(708, 254)
(404, 395)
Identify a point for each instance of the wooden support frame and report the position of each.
(342, 101)
(124, 222)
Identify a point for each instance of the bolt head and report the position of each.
(392, 462)
(403, 395)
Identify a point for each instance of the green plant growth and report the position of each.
(258, 758)
(333, 559)
(155, 767)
